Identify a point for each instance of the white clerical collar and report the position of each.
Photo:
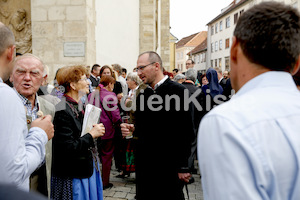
(1, 81)
(160, 82)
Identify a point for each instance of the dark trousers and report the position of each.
(106, 149)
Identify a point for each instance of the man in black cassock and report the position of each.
(164, 129)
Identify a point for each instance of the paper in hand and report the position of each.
(91, 117)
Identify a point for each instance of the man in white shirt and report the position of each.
(249, 147)
(21, 150)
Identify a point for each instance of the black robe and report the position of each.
(163, 147)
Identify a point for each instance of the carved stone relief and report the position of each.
(17, 16)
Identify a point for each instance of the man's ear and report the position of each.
(11, 79)
(296, 67)
(11, 53)
(45, 78)
(234, 50)
(157, 66)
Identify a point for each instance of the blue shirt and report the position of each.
(21, 150)
(249, 147)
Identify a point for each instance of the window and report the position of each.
(220, 63)
(235, 17)
(228, 22)
(216, 28)
(212, 29)
(221, 25)
(204, 57)
(227, 64)
(227, 43)
(216, 62)
(216, 46)
(241, 12)
(212, 63)
(220, 44)
(212, 47)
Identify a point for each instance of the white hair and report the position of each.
(26, 55)
(134, 77)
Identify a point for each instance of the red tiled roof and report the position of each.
(185, 40)
(199, 48)
(192, 40)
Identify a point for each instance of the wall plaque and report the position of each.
(74, 49)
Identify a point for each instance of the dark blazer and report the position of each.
(198, 114)
(71, 156)
(95, 81)
(164, 143)
(223, 83)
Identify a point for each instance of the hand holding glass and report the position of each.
(125, 120)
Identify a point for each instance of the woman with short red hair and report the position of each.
(75, 167)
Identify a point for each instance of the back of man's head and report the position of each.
(269, 35)
(7, 38)
(95, 66)
(191, 74)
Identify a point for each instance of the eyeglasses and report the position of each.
(83, 79)
(141, 68)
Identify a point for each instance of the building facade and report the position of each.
(186, 45)
(173, 41)
(86, 32)
(63, 32)
(199, 54)
(127, 28)
(220, 31)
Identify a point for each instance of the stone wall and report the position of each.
(17, 16)
(56, 22)
(151, 22)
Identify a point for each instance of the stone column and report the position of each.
(56, 24)
(155, 28)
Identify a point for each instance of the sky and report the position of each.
(191, 16)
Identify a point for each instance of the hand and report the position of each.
(184, 177)
(98, 130)
(45, 124)
(126, 129)
(120, 96)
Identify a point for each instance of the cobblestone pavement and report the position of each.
(124, 189)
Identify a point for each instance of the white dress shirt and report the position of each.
(249, 147)
(21, 150)
(161, 82)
